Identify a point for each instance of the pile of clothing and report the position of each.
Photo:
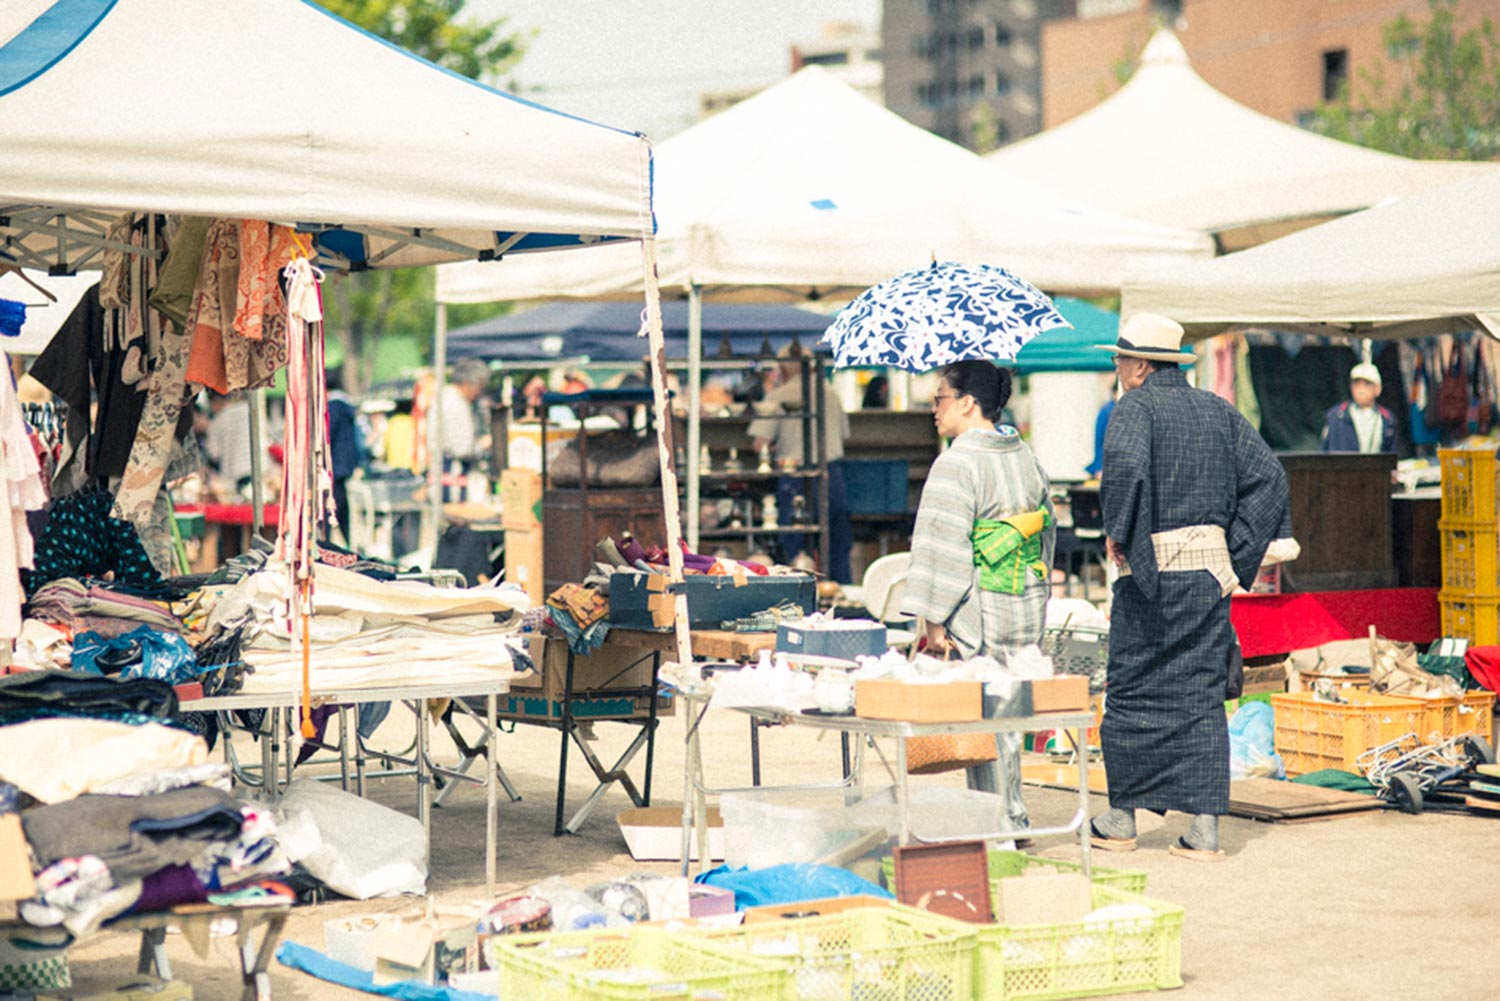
(133, 817)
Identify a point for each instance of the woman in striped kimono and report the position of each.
(981, 553)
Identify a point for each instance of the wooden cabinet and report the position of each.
(574, 519)
(1341, 516)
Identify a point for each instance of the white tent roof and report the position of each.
(1170, 149)
(809, 187)
(44, 316)
(1425, 264)
(277, 110)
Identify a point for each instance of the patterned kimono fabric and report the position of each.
(984, 475)
(1175, 456)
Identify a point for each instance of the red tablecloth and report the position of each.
(1279, 623)
(231, 514)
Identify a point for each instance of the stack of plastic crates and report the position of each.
(1004, 864)
(886, 951)
(630, 964)
(1311, 734)
(1470, 599)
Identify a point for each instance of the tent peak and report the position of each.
(1164, 49)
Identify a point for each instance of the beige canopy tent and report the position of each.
(1427, 264)
(1170, 149)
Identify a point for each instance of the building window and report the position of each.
(976, 38)
(1335, 73)
(1002, 36)
(826, 59)
(976, 85)
(1002, 85)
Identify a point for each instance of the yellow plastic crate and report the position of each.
(1471, 555)
(864, 952)
(1311, 735)
(1471, 483)
(1451, 717)
(1475, 616)
(631, 964)
(1082, 958)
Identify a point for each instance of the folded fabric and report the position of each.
(57, 759)
(134, 835)
(40, 694)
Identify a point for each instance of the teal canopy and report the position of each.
(1065, 350)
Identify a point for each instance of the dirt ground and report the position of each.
(1371, 907)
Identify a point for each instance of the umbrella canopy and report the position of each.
(1428, 264)
(1171, 149)
(608, 331)
(810, 190)
(1072, 348)
(936, 315)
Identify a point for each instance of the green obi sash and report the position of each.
(1008, 551)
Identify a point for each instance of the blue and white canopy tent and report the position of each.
(277, 110)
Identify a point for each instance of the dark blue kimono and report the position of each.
(1176, 456)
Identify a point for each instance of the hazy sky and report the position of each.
(639, 64)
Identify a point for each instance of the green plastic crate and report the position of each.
(631, 964)
(1082, 958)
(1009, 863)
(865, 952)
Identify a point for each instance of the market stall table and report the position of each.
(282, 706)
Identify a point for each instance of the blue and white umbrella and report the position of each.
(939, 314)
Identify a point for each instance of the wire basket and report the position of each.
(1076, 959)
(1078, 650)
(625, 965)
(864, 952)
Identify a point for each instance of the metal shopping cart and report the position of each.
(1412, 775)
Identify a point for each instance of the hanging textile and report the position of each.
(20, 491)
(1245, 400)
(256, 348)
(214, 301)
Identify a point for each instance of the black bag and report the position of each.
(1234, 687)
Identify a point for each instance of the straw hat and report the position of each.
(1152, 337)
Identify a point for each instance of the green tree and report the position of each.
(1436, 97)
(365, 308)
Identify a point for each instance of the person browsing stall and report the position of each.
(1192, 498)
(981, 552)
(1359, 424)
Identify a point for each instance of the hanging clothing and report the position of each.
(20, 491)
(1179, 458)
(983, 476)
(82, 540)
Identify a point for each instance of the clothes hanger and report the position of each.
(19, 273)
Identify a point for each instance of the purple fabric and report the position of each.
(319, 718)
(176, 884)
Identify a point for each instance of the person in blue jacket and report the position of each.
(1360, 424)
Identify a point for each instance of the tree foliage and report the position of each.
(1436, 97)
(364, 308)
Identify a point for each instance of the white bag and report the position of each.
(363, 849)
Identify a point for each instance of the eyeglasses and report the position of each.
(938, 398)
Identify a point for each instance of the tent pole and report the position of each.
(433, 528)
(257, 452)
(695, 411)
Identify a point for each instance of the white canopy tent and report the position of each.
(1171, 149)
(277, 110)
(809, 190)
(1426, 264)
(48, 299)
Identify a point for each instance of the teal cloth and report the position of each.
(1337, 778)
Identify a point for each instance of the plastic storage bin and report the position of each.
(1004, 864)
(622, 965)
(1311, 735)
(1471, 483)
(865, 952)
(1471, 555)
(1082, 958)
(876, 486)
(1475, 617)
(1444, 718)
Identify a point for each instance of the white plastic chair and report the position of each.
(884, 586)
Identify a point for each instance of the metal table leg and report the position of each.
(491, 796)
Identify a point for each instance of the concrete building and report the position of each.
(968, 70)
(848, 50)
(1281, 57)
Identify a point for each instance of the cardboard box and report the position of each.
(429, 948)
(521, 499)
(523, 561)
(609, 667)
(1060, 693)
(953, 702)
(654, 834)
(1269, 678)
(642, 601)
(15, 860)
(351, 941)
(812, 908)
(1042, 899)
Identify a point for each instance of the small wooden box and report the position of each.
(1062, 693)
(953, 702)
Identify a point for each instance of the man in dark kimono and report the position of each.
(1192, 498)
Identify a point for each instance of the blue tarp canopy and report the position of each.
(1072, 350)
(606, 331)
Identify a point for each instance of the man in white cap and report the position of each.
(1192, 498)
(1360, 424)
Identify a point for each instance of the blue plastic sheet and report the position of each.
(311, 961)
(788, 884)
(144, 652)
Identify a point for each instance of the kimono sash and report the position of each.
(1007, 551)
